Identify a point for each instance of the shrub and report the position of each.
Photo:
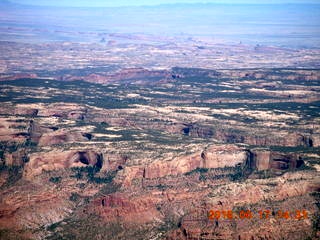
(197, 170)
(14, 174)
(55, 179)
(74, 197)
(91, 172)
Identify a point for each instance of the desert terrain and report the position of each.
(145, 136)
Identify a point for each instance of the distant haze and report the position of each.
(281, 25)
(112, 3)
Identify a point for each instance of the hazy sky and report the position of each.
(113, 3)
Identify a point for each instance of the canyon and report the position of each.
(146, 154)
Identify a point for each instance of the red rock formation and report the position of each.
(25, 111)
(54, 160)
(129, 74)
(18, 76)
(17, 158)
(11, 131)
(261, 159)
(58, 137)
(215, 156)
(173, 167)
(32, 206)
(135, 209)
(315, 140)
(64, 110)
(286, 140)
(265, 159)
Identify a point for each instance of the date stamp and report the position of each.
(261, 214)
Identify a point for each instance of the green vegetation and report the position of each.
(93, 227)
(90, 174)
(197, 170)
(238, 175)
(8, 234)
(154, 136)
(301, 149)
(264, 174)
(74, 197)
(103, 180)
(90, 171)
(19, 127)
(201, 171)
(80, 228)
(55, 179)
(14, 174)
(161, 187)
(241, 172)
(12, 147)
(171, 222)
(29, 144)
(305, 167)
(85, 93)
(109, 188)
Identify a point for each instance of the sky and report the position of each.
(117, 3)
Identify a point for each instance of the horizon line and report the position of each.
(156, 5)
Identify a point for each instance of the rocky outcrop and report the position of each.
(281, 194)
(131, 173)
(271, 75)
(217, 156)
(64, 110)
(15, 76)
(265, 159)
(32, 206)
(46, 136)
(155, 170)
(220, 156)
(315, 140)
(261, 159)
(54, 160)
(58, 137)
(240, 136)
(175, 166)
(196, 130)
(214, 156)
(137, 75)
(195, 72)
(135, 209)
(35, 131)
(286, 140)
(282, 161)
(13, 131)
(114, 162)
(30, 112)
(24, 110)
(18, 158)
